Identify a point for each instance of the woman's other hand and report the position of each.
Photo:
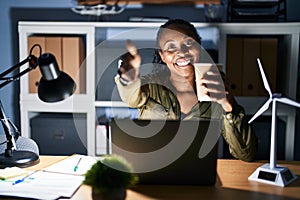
(213, 84)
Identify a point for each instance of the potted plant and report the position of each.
(110, 177)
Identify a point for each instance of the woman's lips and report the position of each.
(182, 62)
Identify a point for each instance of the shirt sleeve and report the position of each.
(132, 93)
(239, 135)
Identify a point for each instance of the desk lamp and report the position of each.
(270, 173)
(54, 86)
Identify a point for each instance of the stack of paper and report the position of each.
(59, 180)
(11, 172)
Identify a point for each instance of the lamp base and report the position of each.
(19, 159)
(280, 176)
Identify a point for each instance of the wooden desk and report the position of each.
(232, 183)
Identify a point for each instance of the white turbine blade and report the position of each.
(288, 101)
(263, 75)
(261, 110)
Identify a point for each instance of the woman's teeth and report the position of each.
(183, 63)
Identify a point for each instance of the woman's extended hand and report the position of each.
(129, 64)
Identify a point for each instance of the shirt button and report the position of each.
(229, 117)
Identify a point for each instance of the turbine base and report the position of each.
(279, 176)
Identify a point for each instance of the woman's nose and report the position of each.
(183, 49)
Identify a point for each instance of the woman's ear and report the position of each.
(161, 56)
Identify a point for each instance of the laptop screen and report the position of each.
(168, 152)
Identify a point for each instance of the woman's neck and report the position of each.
(183, 84)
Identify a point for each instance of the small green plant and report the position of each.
(113, 172)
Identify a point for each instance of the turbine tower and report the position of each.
(270, 173)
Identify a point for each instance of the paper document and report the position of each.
(59, 180)
(11, 172)
(42, 185)
(75, 164)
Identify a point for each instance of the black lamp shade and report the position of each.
(54, 85)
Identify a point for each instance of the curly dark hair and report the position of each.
(172, 24)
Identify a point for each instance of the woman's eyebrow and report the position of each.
(168, 41)
(189, 37)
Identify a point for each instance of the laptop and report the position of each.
(168, 152)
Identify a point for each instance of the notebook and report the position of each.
(168, 152)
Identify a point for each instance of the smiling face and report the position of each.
(179, 50)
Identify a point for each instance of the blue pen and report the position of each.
(76, 166)
(23, 179)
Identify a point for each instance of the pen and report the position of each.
(76, 166)
(23, 179)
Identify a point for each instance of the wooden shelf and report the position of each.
(87, 103)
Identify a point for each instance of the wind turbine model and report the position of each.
(270, 173)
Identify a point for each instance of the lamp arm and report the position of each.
(11, 144)
(6, 123)
(33, 63)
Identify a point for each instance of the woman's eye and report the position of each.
(171, 48)
(189, 43)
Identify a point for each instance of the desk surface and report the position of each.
(232, 183)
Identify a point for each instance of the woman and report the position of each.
(170, 93)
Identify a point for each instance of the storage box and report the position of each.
(241, 64)
(69, 52)
(72, 62)
(60, 134)
(35, 75)
(102, 140)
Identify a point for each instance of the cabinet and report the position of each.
(80, 103)
(287, 68)
(104, 42)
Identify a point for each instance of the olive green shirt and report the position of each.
(154, 99)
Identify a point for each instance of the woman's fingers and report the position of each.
(135, 58)
(213, 85)
(131, 48)
(130, 62)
